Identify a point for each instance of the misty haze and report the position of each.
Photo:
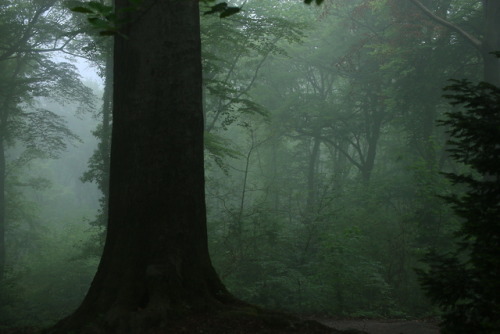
(271, 166)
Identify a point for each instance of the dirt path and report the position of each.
(385, 326)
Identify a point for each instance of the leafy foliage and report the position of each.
(48, 281)
(102, 17)
(465, 283)
(223, 9)
(318, 2)
(336, 207)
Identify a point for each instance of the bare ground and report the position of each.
(384, 326)
(279, 324)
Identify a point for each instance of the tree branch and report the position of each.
(470, 38)
(342, 151)
(28, 30)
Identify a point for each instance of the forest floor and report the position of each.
(384, 326)
(276, 324)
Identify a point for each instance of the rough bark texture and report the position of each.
(2, 206)
(107, 104)
(155, 263)
(4, 116)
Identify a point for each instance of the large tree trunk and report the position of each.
(2, 205)
(4, 116)
(155, 262)
(105, 144)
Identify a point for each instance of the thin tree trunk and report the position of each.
(372, 138)
(239, 216)
(311, 178)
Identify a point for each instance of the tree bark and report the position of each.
(4, 118)
(155, 263)
(311, 177)
(107, 105)
(2, 205)
(374, 117)
(372, 139)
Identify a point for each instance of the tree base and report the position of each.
(231, 320)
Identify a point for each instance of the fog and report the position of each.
(325, 158)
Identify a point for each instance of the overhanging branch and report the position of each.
(470, 38)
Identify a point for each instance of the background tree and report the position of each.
(98, 164)
(28, 73)
(373, 72)
(465, 283)
(487, 44)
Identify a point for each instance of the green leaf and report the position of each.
(99, 7)
(111, 17)
(218, 8)
(229, 11)
(318, 2)
(80, 9)
(98, 23)
(107, 33)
